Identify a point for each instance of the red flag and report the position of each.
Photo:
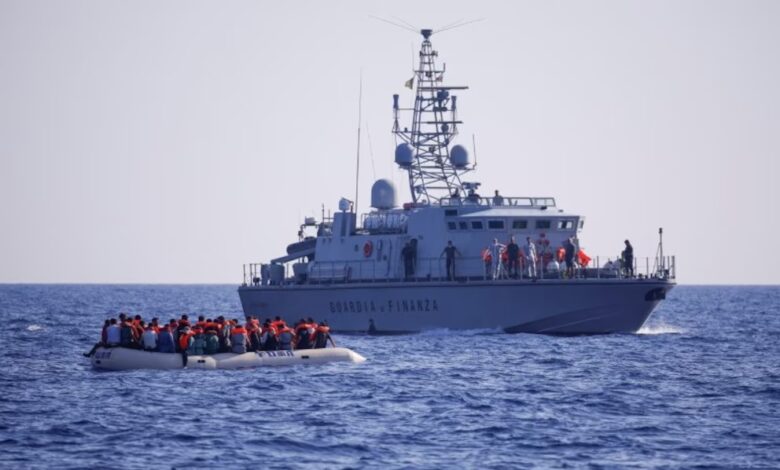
(583, 258)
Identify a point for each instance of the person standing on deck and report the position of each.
(498, 200)
(569, 257)
(496, 249)
(628, 259)
(530, 257)
(450, 251)
(513, 253)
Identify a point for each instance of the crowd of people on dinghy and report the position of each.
(212, 336)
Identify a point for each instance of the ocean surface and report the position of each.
(698, 387)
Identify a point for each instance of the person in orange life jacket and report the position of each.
(149, 339)
(304, 334)
(285, 337)
(487, 258)
(268, 337)
(239, 339)
(165, 341)
(253, 332)
(184, 320)
(322, 335)
(184, 342)
(201, 322)
(181, 328)
(185, 338)
(128, 337)
(278, 323)
(138, 326)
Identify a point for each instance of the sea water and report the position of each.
(698, 386)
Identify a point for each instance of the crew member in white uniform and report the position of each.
(530, 257)
(495, 251)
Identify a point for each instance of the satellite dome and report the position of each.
(459, 156)
(404, 156)
(383, 195)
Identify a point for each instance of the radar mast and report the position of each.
(434, 167)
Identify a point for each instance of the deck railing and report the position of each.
(467, 269)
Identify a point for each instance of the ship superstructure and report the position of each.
(387, 272)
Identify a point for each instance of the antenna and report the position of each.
(371, 151)
(407, 28)
(474, 148)
(406, 23)
(457, 24)
(360, 117)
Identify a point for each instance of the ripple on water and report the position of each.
(696, 386)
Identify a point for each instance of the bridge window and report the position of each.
(452, 226)
(565, 224)
(476, 225)
(496, 224)
(463, 225)
(543, 224)
(519, 224)
(450, 212)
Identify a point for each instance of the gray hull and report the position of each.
(579, 306)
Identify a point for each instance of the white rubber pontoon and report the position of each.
(125, 359)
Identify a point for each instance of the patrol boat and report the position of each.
(387, 274)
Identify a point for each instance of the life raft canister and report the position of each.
(368, 248)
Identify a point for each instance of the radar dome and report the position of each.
(383, 195)
(459, 156)
(404, 155)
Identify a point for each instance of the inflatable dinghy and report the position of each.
(125, 359)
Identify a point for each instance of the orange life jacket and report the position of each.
(279, 324)
(486, 256)
(184, 341)
(560, 254)
(237, 330)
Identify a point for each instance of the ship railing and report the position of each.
(467, 269)
(498, 201)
